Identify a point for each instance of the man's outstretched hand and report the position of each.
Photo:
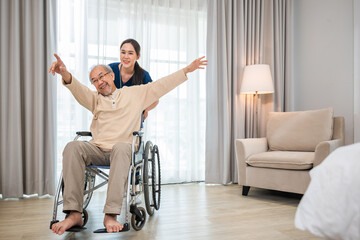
(59, 67)
(198, 63)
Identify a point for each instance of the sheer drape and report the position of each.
(171, 35)
(28, 104)
(241, 33)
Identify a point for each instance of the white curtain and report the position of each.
(27, 93)
(240, 33)
(171, 35)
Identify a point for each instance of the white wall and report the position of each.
(323, 52)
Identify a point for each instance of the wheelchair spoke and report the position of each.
(88, 187)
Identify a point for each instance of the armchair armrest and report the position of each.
(323, 149)
(243, 149)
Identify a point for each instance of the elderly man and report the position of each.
(116, 115)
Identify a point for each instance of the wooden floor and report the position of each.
(188, 211)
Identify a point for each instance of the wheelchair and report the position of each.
(144, 178)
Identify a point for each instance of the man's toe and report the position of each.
(55, 228)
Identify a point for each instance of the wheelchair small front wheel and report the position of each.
(138, 222)
(85, 217)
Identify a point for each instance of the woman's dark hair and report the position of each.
(138, 71)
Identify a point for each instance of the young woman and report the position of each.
(128, 71)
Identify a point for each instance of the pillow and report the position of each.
(299, 131)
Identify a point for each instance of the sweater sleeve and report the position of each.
(83, 95)
(159, 88)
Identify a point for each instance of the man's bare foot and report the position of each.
(74, 219)
(111, 224)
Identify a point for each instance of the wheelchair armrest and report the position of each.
(138, 133)
(84, 133)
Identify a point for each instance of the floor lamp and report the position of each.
(257, 80)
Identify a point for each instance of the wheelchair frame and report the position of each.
(144, 177)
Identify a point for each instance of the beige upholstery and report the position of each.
(299, 131)
(282, 159)
(295, 142)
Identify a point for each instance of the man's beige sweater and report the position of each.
(117, 116)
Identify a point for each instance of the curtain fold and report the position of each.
(218, 103)
(242, 33)
(278, 22)
(28, 106)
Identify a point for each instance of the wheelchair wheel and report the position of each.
(138, 222)
(156, 177)
(147, 179)
(89, 184)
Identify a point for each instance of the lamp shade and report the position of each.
(257, 79)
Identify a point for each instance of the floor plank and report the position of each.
(188, 211)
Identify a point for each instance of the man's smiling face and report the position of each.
(102, 80)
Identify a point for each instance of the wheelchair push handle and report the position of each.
(138, 133)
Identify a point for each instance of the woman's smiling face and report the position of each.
(128, 56)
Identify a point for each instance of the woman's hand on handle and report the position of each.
(198, 63)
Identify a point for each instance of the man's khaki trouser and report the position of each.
(77, 155)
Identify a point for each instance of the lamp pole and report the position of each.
(256, 96)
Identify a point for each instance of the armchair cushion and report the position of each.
(282, 160)
(299, 131)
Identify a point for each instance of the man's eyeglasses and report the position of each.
(101, 77)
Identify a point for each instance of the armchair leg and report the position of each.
(245, 190)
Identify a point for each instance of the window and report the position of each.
(171, 35)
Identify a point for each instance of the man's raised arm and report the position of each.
(155, 90)
(196, 64)
(83, 95)
(59, 67)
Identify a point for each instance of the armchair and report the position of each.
(295, 143)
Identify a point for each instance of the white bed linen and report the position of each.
(330, 207)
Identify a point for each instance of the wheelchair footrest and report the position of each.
(124, 229)
(76, 229)
(53, 222)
